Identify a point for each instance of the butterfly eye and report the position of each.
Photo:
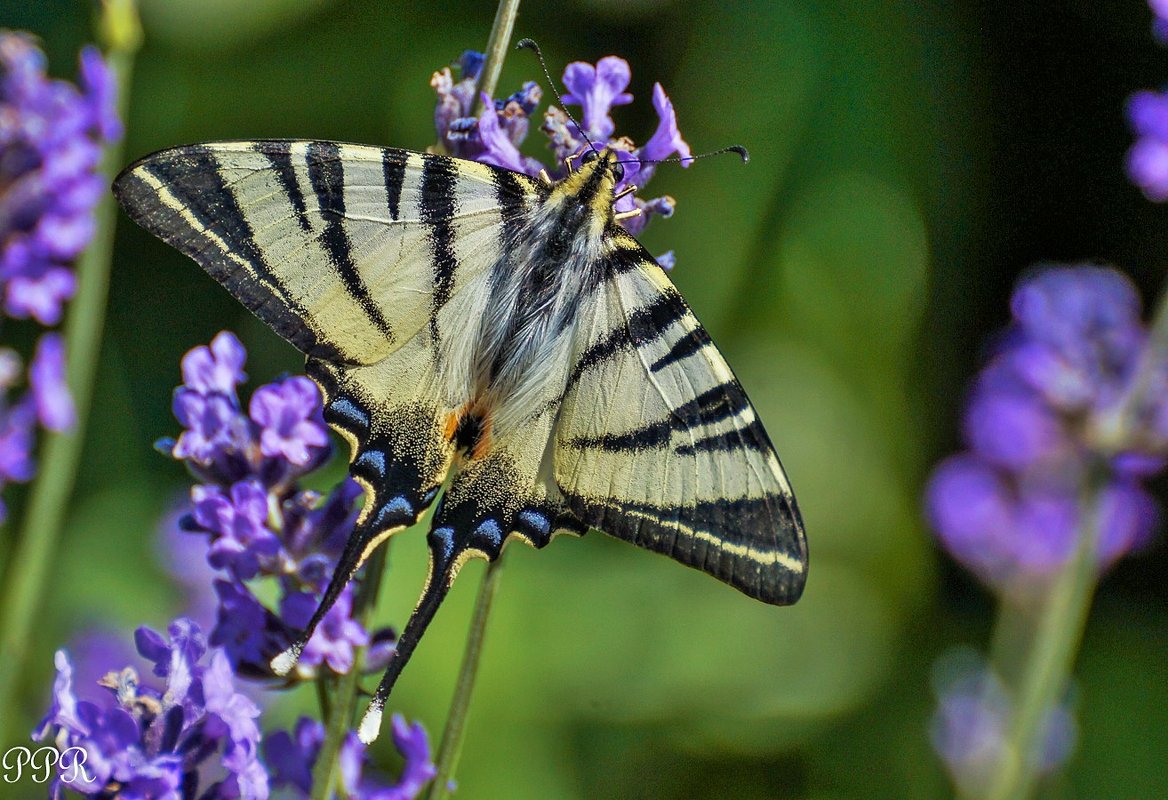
(618, 172)
(589, 156)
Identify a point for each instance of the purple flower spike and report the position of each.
(1147, 161)
(971, 722)
(46, 375)
(289, 415)
(1050, 406)
(143, 741)
(596, 89)
(217, 368)
(50, 144)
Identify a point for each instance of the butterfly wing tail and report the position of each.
(441, 575)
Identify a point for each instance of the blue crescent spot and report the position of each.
(444, 537)
(395, 511)
(373, 458)
(350, 412)
(491, 531)
(536, 520)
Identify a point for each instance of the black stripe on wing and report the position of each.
(326, 174)
(643, 326)
(438, 204)
(711, 407)
(195, 181)
(393, 170)
(745, 542)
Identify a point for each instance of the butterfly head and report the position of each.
(593, 181)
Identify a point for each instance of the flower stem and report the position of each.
(497, 47)
(343, 702)
(451, 746)
(1043, 675)
(28, 566)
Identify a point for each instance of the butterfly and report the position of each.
(499, 334)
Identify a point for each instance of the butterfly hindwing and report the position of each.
(658, 444)
(344, 250)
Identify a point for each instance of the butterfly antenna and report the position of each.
(529, 44)
(734, 148)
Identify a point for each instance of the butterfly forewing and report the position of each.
(344, 250)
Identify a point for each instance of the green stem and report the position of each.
(497, 47)
(343, 702)
(28, 566)
(452, 737)
(1045, 673)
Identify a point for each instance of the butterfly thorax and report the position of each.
(554, 256)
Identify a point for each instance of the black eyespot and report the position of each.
(618, 172)
(589, 156)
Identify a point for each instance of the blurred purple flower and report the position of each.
(292, 756)
(972, 719)
(46, 377)
(142, 741)
(1054, 404)
(50, 144)
(51, 135)
(1160, 20)
(1147, 160)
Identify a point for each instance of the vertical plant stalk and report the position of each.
(28, 567)
(339, 707)
(452, 736)
(497, 46)
(1044, 673)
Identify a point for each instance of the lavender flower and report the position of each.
(1057, 405)
(494, 136)
(50, 145)
(258, 522)
(143, 740)
(1147, 161)
(51, 135)
(1160, 21)
(974, 712)
(292, 756)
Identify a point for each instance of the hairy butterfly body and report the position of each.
(468, 320)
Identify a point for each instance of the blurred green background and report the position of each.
(909, 159)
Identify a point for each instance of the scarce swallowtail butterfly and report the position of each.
(470, 323)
